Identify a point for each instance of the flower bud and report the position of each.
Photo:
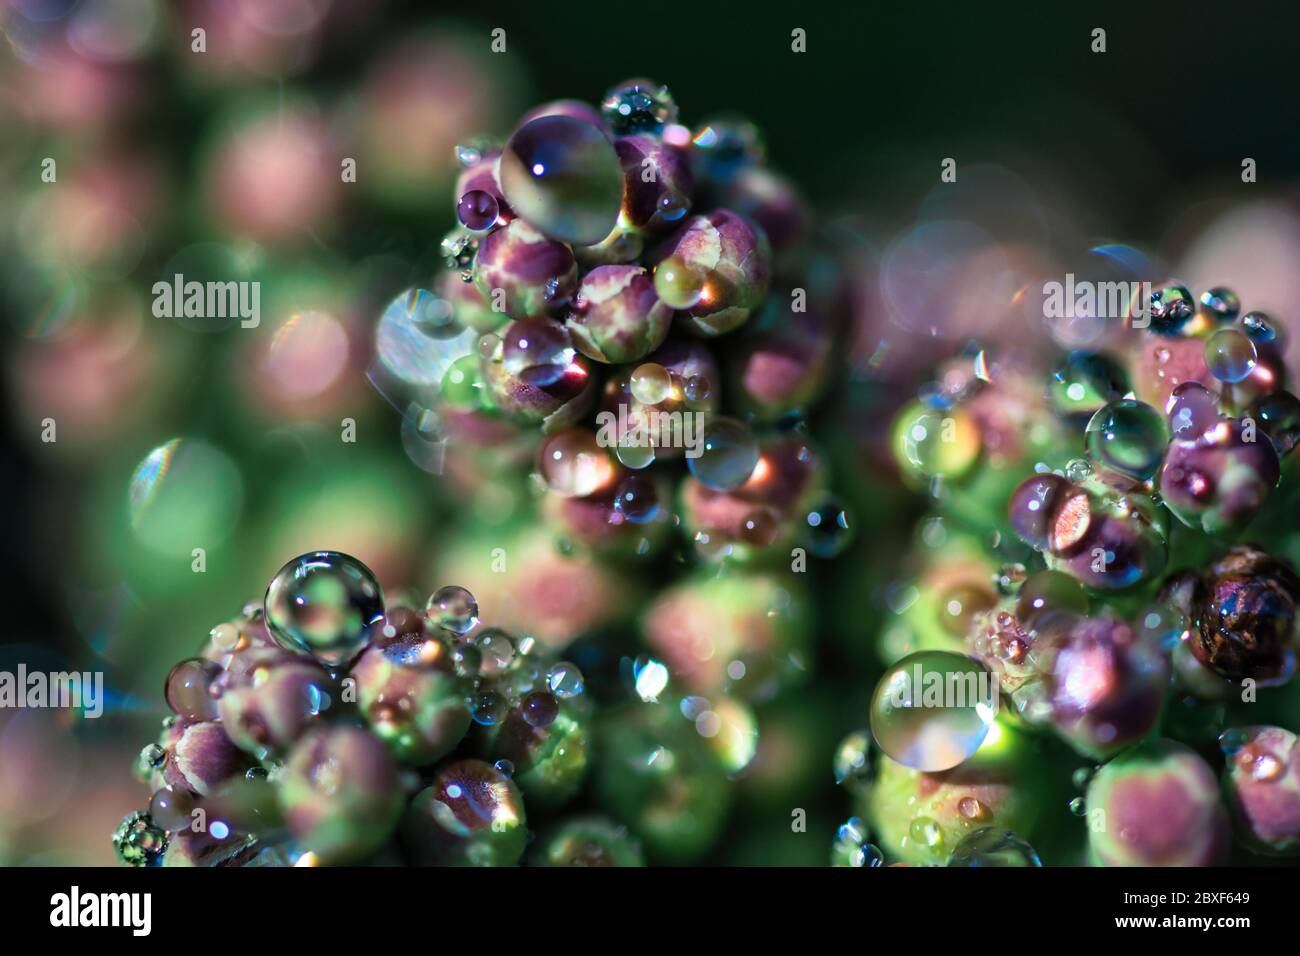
(1218, 481)
(200, 756)
(1262, 780)
(732, 260)
(267, 705)
(1156, 805)
(1245, 609)
(657, 774)
(418, 711)
(658, 185)
(534, 275)
(617, 316)
(340, 794)
(589, 841)
(472, 815)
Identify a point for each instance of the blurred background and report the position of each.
(226, 164)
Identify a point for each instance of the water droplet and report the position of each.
(505, 767)
(323, 603)
(489, 708)
(678, 284)
(1259, 326)
(496, 650)
(1009, 578)
(573, 463)
(1085, 381)
(651, 383)
(827, 528)
(1128, 437)
(638, 106)
(477, 210)
(1230, 355)
(537, 351)
(1220, 304)
(565, 680)
(853, 760)
(991, 846)
(563, 176)
(850, 847)
(932, 710)
(636, 499)
(728, 456)
(187, 690)
(972, 809)
(926, 832)
(1079, 807)
(539, 709)
(452, 609)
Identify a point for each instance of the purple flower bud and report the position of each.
(1157, 805)
(617, 316)
(1103, 537)
(658, 185)
(270, 700)
(734, 260)
(1106, 685)
(786, 473)
(554, 390)
(1218, 481)
(780, 366)
(524, 273)
(419, 711)
(200, 756)
(1245, 609)
(1262, 779)
(472, 815)
(772, 201)
(340, 794)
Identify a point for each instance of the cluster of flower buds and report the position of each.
(634, 323)
(1131, 606)
(327, 725)
(641, 309)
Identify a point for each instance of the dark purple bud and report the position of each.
(617, 316)
(472, 815)
(733, 261)
(771, 201)
(1245, 609)
(1219, 481)
(658, 185)
(521, 272)
(200, 756)
(1107, 685)
(535, 376)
